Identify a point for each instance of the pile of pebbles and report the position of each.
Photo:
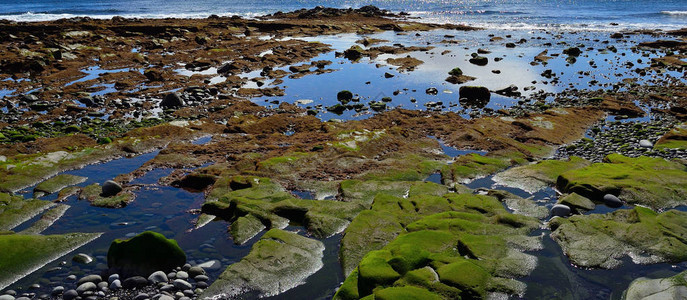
(632, 139)
(183, 283)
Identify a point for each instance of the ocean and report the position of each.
(601, 15)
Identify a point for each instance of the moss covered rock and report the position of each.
(536, 176)
(600, 241)
(92, 193)
(14, 210)
(144, 254)
(57, 183)
(279, 261)
(663, 288)
(653, 182)
(245, 228)
(22, 254)
(577, 202)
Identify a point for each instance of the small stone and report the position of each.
(646, 144)
(199, 278)
(82, 259)
(182, 284)
(202, 285)
(58, 290)
(172, 100)
(71, 277)
(111, 188)
(432, 91)
(185, 267)
(135, 282)
(90, 278)
(560, 210)
(112, 278)
(7, 297)
(388, 75)
(165, 297)
(182, 275)
(167, 288)
(612, 201)
(195, 271)
(102, 285)
(86, 286)
(157, 277)
(23, 298)
(141, 296)
(172, 275)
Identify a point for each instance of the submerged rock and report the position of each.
(58, 182)
(279, 261)
(474, 95)
(144, 254)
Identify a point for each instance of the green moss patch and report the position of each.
(653, 182)
(144, 254)
(536, 176)
(57, 183)
(92, 194)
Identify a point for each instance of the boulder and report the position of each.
(479, 60)
(145, 254)
(344, 96)
(662, 288)
(612, 201)
(577, 202)
(172, 100)
(560, 210)
(110, 188)
(474, 95)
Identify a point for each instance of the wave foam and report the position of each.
(675, 12)
(39, 17)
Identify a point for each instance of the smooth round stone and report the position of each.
(185, 267)
(182, 284)
(35, 286)
(184, 298)
(23, 298)
(6, 297)
(10, 292)
(189, 293)
(172, 275)
(182, 275)
(90, 278)
(195, 271)
(111, 188)
(82, 258)
(71, 277)
(141, 296)
(115, 285)
(646, 144)
(102, 285)
(167, 288)
(165, 297)
(135, 282)
(86, 286)
(202, 285)
(201, 278)
(57, 290)
(560, 210)
(157, 277)
(112, 278)
(179, 295)
(612, 201)
(70, 294)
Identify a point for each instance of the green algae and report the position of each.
(473, 165)
(144, 254)
(22, 254)
(15, 210)
(602, 240)
(456, 245)
(57, 183)
(245, 228)
(653, 182)
(279, 261)
(536, 176)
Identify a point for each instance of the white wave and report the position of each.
(38, 17)
(675, 12)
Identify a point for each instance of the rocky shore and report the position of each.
(287, 143)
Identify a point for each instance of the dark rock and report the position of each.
(388, 75)
(86, 286)
(432, 91)
(141, 296)
(84, 259)
(479, 60)
(70, 294)
(344, 96)
(153, 75)
(478, 95)
(510, 45)
(134, 282)
(572, 51)
(195, 271)
(509, 91)
(90, 278)
(337, 109)
(110, 188)
(612, 201)
(182, 284)
(172, 100)
(560, 210)
(455, 72)
(377, 106)
(145, 254)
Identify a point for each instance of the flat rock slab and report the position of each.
(23, 254)
(14, 210)
(57, 183)
(279, 261)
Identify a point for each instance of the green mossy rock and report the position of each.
(405, 293)
(520, 206)
(144, 254)
(57, 183)
(279, 261)
(370, 230)
(473, 165)
(47, 219)
(23, 254)
(245, 228)
(92, 194)
(466, 276)
(577, 202)
(652, 182)
(663, 288)
(536, 176)
(600, 241)
(14, 210)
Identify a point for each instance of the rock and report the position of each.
(572, 51)
(377, 105)
(200, 278)
(6, 297)
(603, 240)
(134, 282)
(172, 100)
(70, 294)
(577, 202)
(115, 284)
(195, 271)
(182, 284)
(86, 286)
(57, 183)
(279, 261)
(182, 275)
(58, 290)
(509, 91)
(459, 79)
(646, 144)
(474, 95)
(102, 286)
(165, 297)
(141, 296)
(110, 188)
(455, 72)
(560, 210)
(145, 254)
(483, 51)
(432, 91)
(388, 75)
(344, 96)
(157, 277)
(353, 53)
(112, 278)
(337, 109)
(662, 288)
(479, 60)
(612, 201)
(90, 278)
(153, 75)
(211, 265)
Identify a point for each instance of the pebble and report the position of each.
(195, 271)
(141, 296)
(560, 210)
(6, 297)
(82, 258)
(211, 265)
(70, 294)
(57, 290)
(90, 278)
(200, 278)
(102, 285)
(182, 284)
(71, 277)
(23, 298)
(115, 285)
(134, 282)
(157, 277)
(202, 285)
(112, 278)
(167, 288)
(86, 286)
(182, 275)
(612, 201)
(646, 144)
(172, 275)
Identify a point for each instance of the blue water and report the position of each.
(524, 14)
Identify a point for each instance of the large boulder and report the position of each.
(172, 100)
(474, 96)
(144, 254)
